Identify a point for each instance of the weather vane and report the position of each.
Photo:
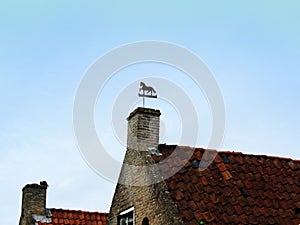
(146, 91)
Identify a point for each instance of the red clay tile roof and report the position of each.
(74, 217)
(234, 189)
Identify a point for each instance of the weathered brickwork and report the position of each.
(33, 202)
(143, 129)
(153, 200)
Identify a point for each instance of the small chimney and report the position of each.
(33, 202)
(143, 129)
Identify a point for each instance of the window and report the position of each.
(126, 217)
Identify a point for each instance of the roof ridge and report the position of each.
(258, 155)
(232, 152)
(76, 210)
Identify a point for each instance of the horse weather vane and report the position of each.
(146, 91)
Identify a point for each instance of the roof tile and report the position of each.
(75, 217)
(236, 188)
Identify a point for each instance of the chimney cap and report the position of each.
(154, 112)
(42, 185)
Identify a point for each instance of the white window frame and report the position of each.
(131, 209)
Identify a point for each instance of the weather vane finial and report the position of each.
(146, 91)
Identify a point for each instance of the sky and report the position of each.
(46, 48)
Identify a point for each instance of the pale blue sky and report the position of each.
(252, 47)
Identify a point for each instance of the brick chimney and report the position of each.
(143, 129)
(141, 190)
(142, 138)
(33, 202)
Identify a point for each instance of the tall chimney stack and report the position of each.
(143, 129)
(33, 202)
